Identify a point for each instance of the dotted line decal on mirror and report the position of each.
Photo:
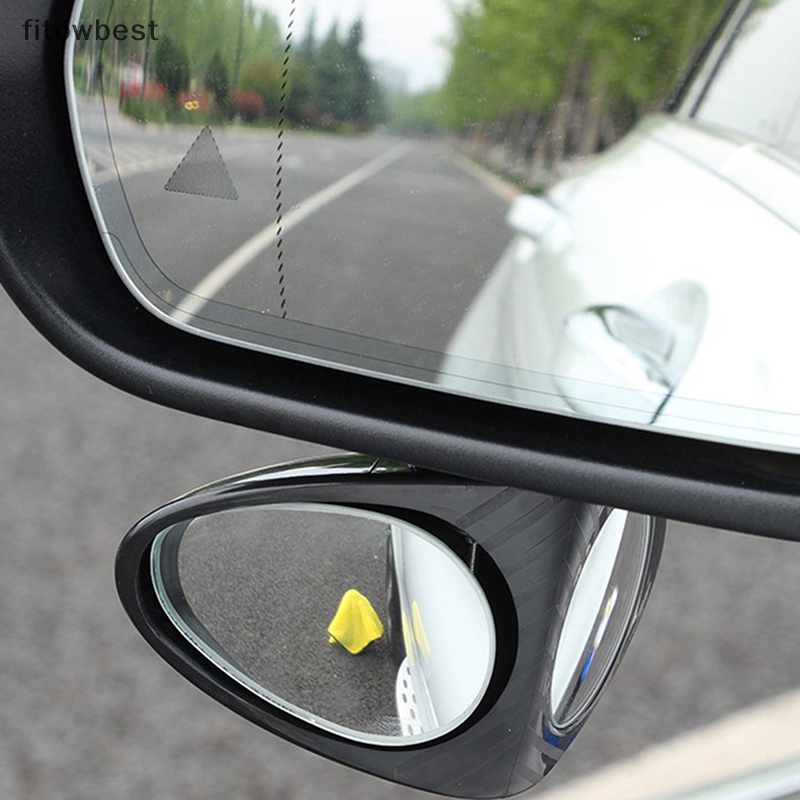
(279, 170)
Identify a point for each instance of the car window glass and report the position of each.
(755, 90)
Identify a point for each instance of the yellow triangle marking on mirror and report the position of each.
(355, 624)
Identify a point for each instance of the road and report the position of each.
(265, 584)
(381, 238)
(88, 711)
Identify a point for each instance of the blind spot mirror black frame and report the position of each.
(444, 634)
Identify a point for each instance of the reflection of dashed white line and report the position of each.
(224, 272)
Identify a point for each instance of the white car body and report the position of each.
(658, 284)
(694, 229)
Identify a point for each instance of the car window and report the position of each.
(755, 91)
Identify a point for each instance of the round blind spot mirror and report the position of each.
(353, 621)
(599, 613)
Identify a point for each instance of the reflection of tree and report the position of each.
(363, 96)
(554, 80)
(229, 55)
(343, 88)
(300, 106)
(204, 37)
(264, 78)
(329, 82)
(217, 79)
(172, 67)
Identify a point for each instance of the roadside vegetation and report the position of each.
(531, 84)
(534, 84)
(224, 60)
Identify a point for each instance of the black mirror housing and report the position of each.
(525, 549)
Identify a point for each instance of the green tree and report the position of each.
(364, 100)
(330, 92)
(307, 48)
(172, 67)
(217, 79)
(262, 36)
(300, 105)
(265, 78)
(548, 80)
(344, 87)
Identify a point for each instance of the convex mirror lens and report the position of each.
(355, 622)
(599, 613)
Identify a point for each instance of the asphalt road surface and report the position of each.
(88, 711)
(265, 584)
(381, 237)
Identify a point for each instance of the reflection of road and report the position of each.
(265, 584)
(137, 148)
(397, 256)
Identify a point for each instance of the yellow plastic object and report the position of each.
(355, 624)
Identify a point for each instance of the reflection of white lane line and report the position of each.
(132, 160)
(503, 189)
(744, 742)
(223, 273)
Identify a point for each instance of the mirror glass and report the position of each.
(479, 196)
(599, 614)
(353, 621)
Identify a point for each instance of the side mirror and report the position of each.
(536, 218)
(448, 635)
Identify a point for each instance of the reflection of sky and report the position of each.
(409, 35)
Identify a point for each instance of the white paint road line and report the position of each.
(224, 272)
(749, 740)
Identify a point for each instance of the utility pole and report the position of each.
(237, 63)
(147, 48)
